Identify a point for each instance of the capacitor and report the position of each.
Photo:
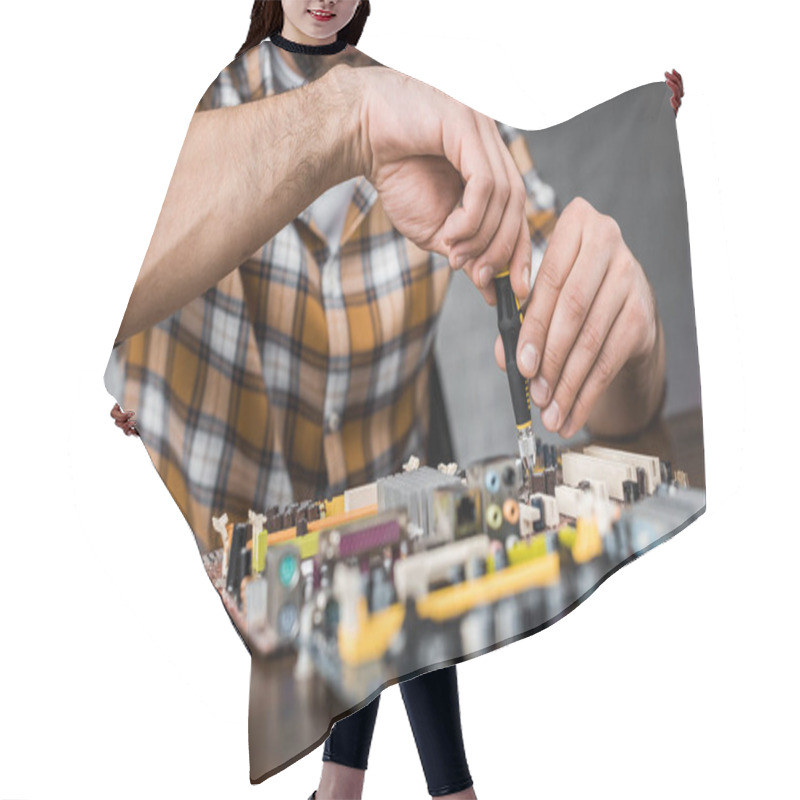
(246, 560)
(630, 491)
(302, 526)
(273, 522)
(235, 566)
(538, 525)
(288, 519)
(550, 481)
(641, 480)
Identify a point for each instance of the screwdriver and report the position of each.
(509, 321)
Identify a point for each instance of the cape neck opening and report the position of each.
(309, 49)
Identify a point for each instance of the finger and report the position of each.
(506, 249)
(488, 292)
(569, 315)
(674, 78)
(605, 309)
(464, 149)
(520, 266)
(675, 89)
(676, 94)
(119, 415)
(476, 245)
(511, 248)
(559, 256)
(611, 359)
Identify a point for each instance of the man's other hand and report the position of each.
(590, 314)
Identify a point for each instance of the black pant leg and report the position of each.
(435, 716)
(351, 737)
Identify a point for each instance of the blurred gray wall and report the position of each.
(622, 156)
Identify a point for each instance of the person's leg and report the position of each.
(435, 716)
(346, 754)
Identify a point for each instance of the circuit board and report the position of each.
(430, 566)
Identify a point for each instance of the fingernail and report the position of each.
(550, 417)
(527, 359)
(485, 276)
(539, 391)
(526, 277)
(461, 260)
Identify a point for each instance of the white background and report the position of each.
(121, 675)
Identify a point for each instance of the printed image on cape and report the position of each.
(366, 497)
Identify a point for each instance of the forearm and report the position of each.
(634, 397)
(243, 173)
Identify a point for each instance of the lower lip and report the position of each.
(321, 17)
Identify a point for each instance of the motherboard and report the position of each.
(431, 566)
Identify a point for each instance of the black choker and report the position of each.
(309, 49)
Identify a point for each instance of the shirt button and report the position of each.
(333, 422)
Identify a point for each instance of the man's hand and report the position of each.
(591, 338)
(444, 175)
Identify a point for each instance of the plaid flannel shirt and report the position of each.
(304, 371)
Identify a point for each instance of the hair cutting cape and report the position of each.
(280, 407)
